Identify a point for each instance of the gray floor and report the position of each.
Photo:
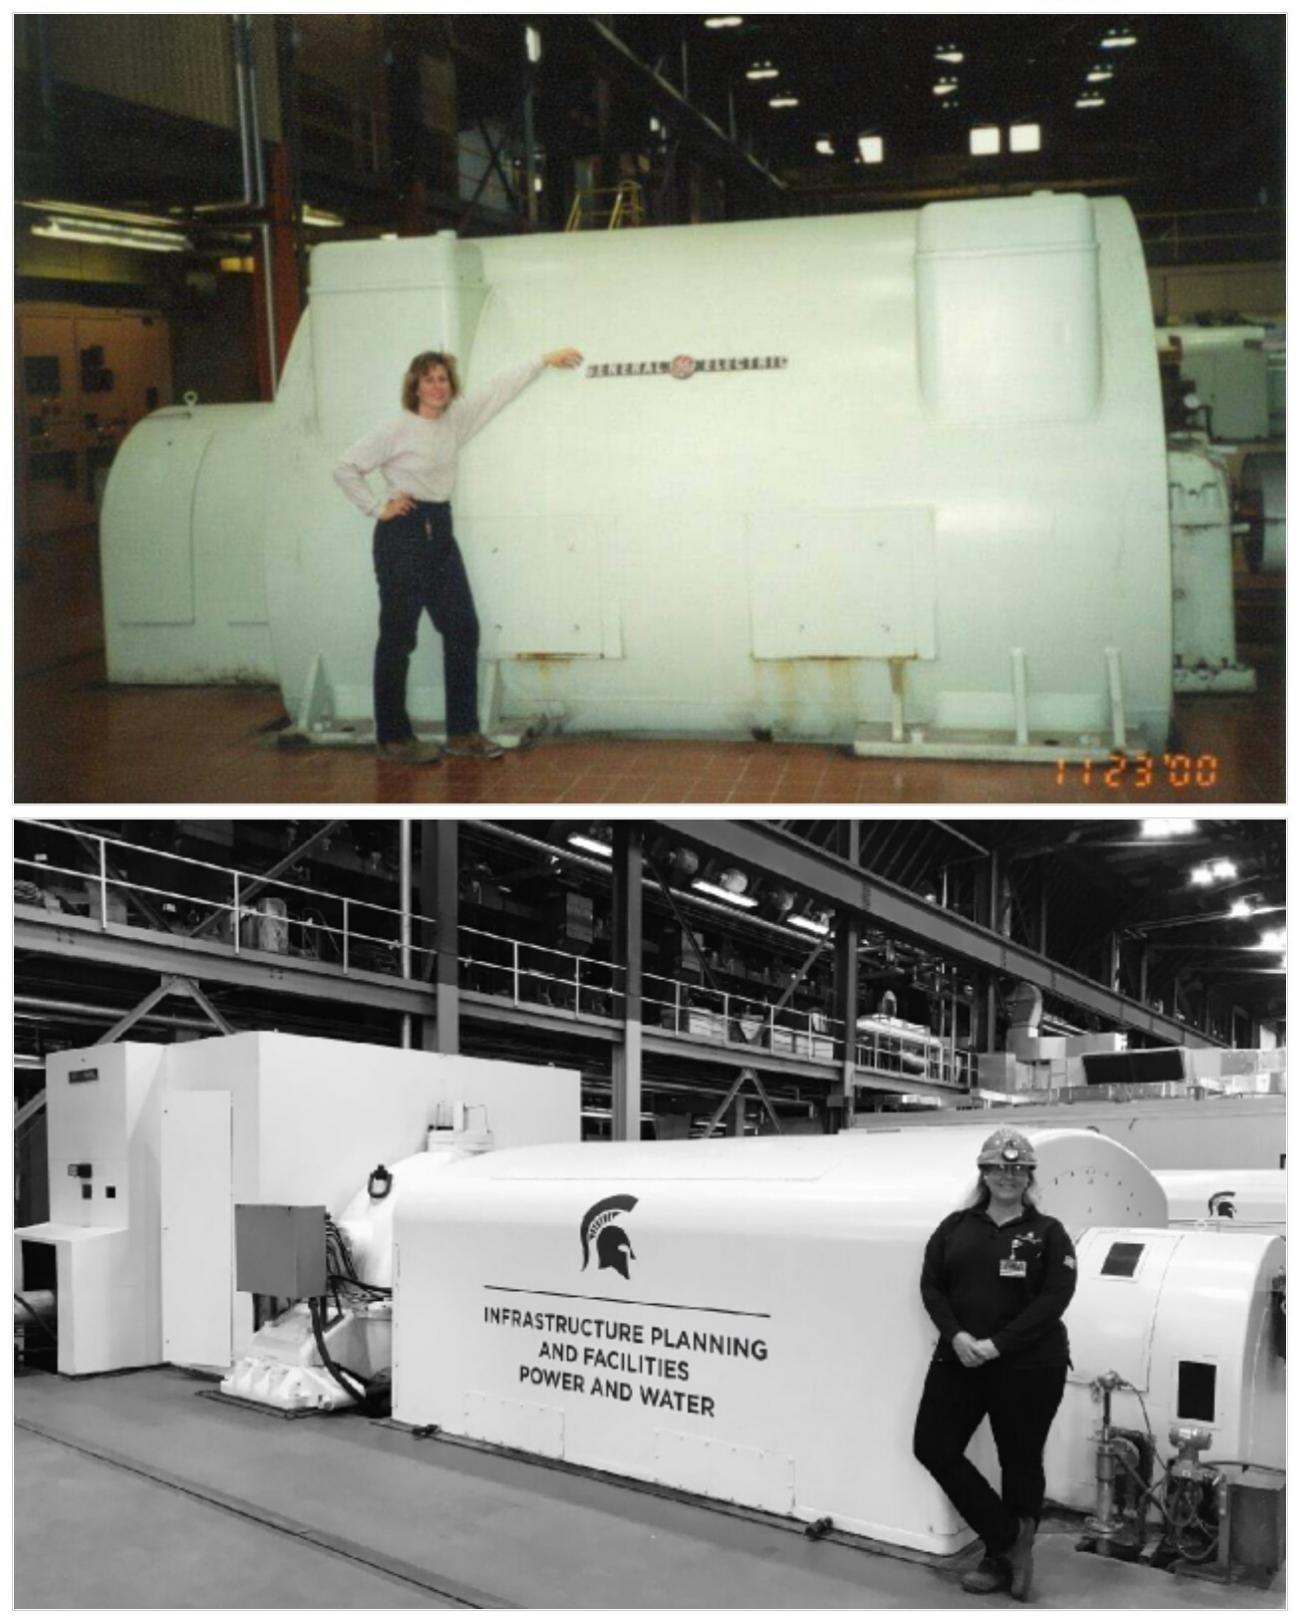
(138, 1491)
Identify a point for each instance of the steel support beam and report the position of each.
(212, 961)
(845, 886)
(440, 900)
(628, 915)
(169, 986)
(847, 936)
(641, 79)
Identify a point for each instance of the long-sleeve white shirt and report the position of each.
(418, 454)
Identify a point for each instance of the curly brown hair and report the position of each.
(419, 366)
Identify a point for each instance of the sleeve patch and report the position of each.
(1069, 1263)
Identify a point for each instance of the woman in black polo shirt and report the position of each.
(997, 1277)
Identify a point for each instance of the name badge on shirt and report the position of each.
(1013, 1268)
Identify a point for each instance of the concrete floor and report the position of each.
(138, 1490)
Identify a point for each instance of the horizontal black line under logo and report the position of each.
(619, 1301)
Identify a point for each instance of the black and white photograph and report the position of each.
(650, 1213)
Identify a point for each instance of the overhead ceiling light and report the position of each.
(827, 148)
(952, 54)
(985, 140)
(111, 234)
(1223, 868)
(1026, 138)
(1240, 909)
(1164, 828)
(324, 218)
(1118, 42)
(813, 926)
(1273, 940)
(784, 101)
(533, 44)
(946, 87)
(762, 70)
(871, 148)
(1091, 101)
(707, 888)
(1201, 875)
(590, 842)
(1099, 76)
(723, 22)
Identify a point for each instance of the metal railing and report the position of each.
(81, 875)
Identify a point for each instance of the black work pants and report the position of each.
(419, 568)
(1020, 1405)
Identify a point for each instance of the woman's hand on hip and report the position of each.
(562, 357)
(397, 506)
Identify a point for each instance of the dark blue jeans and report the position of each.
(1021, 1405)
(419, 568)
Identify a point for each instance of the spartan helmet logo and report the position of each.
(1222, 1203)
(613, 1248)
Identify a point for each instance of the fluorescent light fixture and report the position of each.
(1164, 828)
(1026, 138)
(813, 926)
(325, 218)
(1099, 76)
(89, 211)
(237, 265)
(762, 70)
(783, 101)
(656, 127)
(707, 888)
(1273, 940)
(985, 140)
(1240, 909)
(533, 44)
(952, 54)
(871, 148)
(111, 234)
(946, 87)
(1091, 101)
(1222, 868)
(588, 842)
(1118, 42)
(826, 148)
(1202, 875)
(723, 22)
(537, 183)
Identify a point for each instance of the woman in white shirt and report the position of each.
(417, 562)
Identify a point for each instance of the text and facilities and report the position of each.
(593, 1355)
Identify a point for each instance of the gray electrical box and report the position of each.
(280, 1250)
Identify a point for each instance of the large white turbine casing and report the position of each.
(945, 444)
(802, 1256)
(1188, 1321)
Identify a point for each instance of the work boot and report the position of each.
(409, 752)
(1020, 1558)
(989, 1578)
(474, 746)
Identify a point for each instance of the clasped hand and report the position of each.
(971, 1351)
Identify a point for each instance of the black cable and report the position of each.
(341, 1375)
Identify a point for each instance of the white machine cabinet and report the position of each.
(893, 480)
